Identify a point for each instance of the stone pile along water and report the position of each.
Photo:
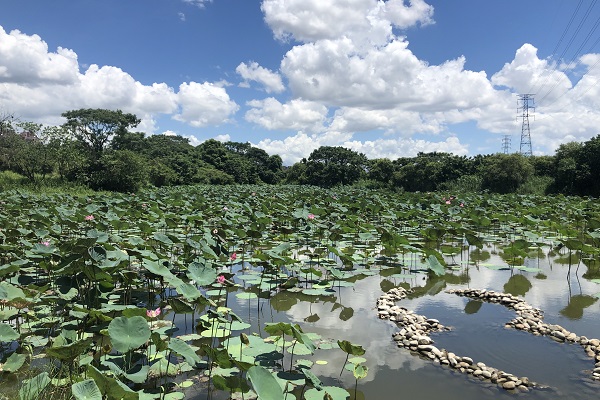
(415, 336)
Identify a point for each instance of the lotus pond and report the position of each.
(232, 292)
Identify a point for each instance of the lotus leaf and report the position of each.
(86, 390)
(264, 383)
(128, 333)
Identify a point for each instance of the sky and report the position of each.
(386, 78)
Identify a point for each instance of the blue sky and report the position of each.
(388, 78)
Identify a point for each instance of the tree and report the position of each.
(566, 168)
(120, 171)
(329, 166)
(95, 128)
(7, 121)
(504, 173)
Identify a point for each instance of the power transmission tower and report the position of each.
(523, 111)
(506, 144)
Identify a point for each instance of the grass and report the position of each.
(50, 184)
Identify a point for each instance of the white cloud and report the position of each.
(293, 148)
(25, 60)
(204, 104)
(405, 147)
(198, 3)
(39, 85)
(297, 115)
(223, 138)
(254, 72)
(181, 16)
(336, 73)
(406, 123)
(368, 21)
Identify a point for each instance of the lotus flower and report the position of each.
(221, 279)
(153, 313)
(89, 217)
(233, 257)
(311, 216)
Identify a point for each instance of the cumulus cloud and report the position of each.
(298, 115)
(368, 21)
(25, 60)
(204, 104)
(335, 73)
(38, 84)
(223, 138)
(293, 148)
(254, 72)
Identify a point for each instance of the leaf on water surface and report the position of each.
(527, 269)
(299, 349)
(246, 295)
(357, 360)
(216, 333)
(334, 392)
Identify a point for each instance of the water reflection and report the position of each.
(473, 306)
(577, 303)
(517, 285)
(347, 313)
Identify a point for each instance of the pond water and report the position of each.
(478, 331)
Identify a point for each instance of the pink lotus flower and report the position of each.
(233, 257)
(448, 202)
(461, 204)
(221, 279)
(311, 216)
(89, 217)
(45, 243)
(153, 313)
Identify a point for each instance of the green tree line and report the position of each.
(97, 148)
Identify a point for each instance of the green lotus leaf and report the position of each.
(246, 295)
(185, 350)
(334, 392)
(68, 352)
(14, 362)
(201, 274)
(7, 333)
(128, 333)
(10, 292)
(352, 349)
(31, 388)
(86, 390)
(264, 383)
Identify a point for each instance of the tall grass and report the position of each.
(50, 184)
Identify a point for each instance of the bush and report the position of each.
(118, 171)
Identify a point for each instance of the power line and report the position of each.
(546, 74)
